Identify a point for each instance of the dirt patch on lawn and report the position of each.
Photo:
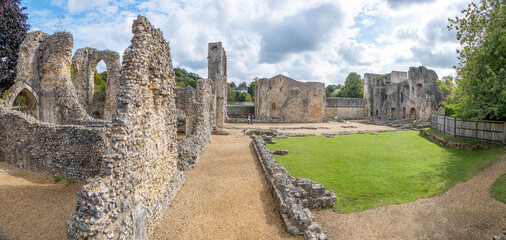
(32, 206)
(466, 211)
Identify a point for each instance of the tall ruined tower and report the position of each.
(217, 72)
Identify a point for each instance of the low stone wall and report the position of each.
(347, 108)
(453, 144)
(240, 112)
(70, 151)
(293, 196)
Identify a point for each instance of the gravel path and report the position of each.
(225, 197)
(32, 206)
(466, 211)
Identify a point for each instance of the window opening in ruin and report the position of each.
(386, 96)
(96, 115)
(280, 89)
(418, 87)
(376, 112)
(273, 107)
(412, 113)
(392, 112)
(402, 97)
(25, 103)
(403, 112)
(406, 90)
(100, 80)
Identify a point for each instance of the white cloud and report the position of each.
(318, 40)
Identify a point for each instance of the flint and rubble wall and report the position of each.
(347, 108)
(191, 148)
(70, 151)
(293, 196)
(139, 175)
(240, 112)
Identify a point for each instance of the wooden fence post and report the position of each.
(476, 130)
(454, 126)
(504, 132)
(444, 124)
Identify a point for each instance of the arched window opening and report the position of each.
(100, 81)
(273, 107)
(96, 115)
(25, 102)
(418, 87)
(412, 113)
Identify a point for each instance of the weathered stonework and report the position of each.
(70, 151)
(283, 99)
(398, 95)
(84, 62)
(452, 143)
(347, 108)
(240, 112)
(44, 72)
(199, 118)
(293, 196)
(217, 71)
(139, 175)
(185, 101)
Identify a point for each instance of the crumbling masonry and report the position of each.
(217, 71)
(84, 62)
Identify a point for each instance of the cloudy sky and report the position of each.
(308, 40)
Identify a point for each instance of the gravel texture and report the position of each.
(466, 211)
(224, 197)
(32, 206)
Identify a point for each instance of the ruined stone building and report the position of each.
(217, 73)
(84, 62)
(281, 98)
(414, 94)
(130, 161)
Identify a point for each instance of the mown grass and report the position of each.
(446, 136)
(499, 189)
(366, 171)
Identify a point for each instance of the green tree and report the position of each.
(335, 93)
(231, 93)
(243, 84)
(481, 70)
(331, 88)
(353, 87)
(232, 85)
(100, 84)
(185, 79)
(244, 97)
(252, 86)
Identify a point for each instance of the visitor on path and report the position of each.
(249, 118)
(252, 117)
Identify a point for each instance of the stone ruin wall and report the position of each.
(198, 109)
(44, 66)
(401, 95)
(84, 63)
(217, 71)
(185, 99)
(346, 108)
(283, 99)
(72, 152)
(139, 175)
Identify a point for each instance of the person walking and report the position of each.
(252, 117)
(249, 119)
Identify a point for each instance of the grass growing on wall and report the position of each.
(367, 171)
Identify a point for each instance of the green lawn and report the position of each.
(499, 189)
(366, 171)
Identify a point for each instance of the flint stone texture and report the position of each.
(282, 99)
(293, 196)
(414, 95)
(280, 152)
(347, 108)
(44, 69)
(70, 151)
(140, 161)
(84, 63)
(217, 73)
(198, 105)
(452, 143)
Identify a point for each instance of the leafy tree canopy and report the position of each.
(481, 70)
(353, 87)
(13, 28)
(184, 78)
